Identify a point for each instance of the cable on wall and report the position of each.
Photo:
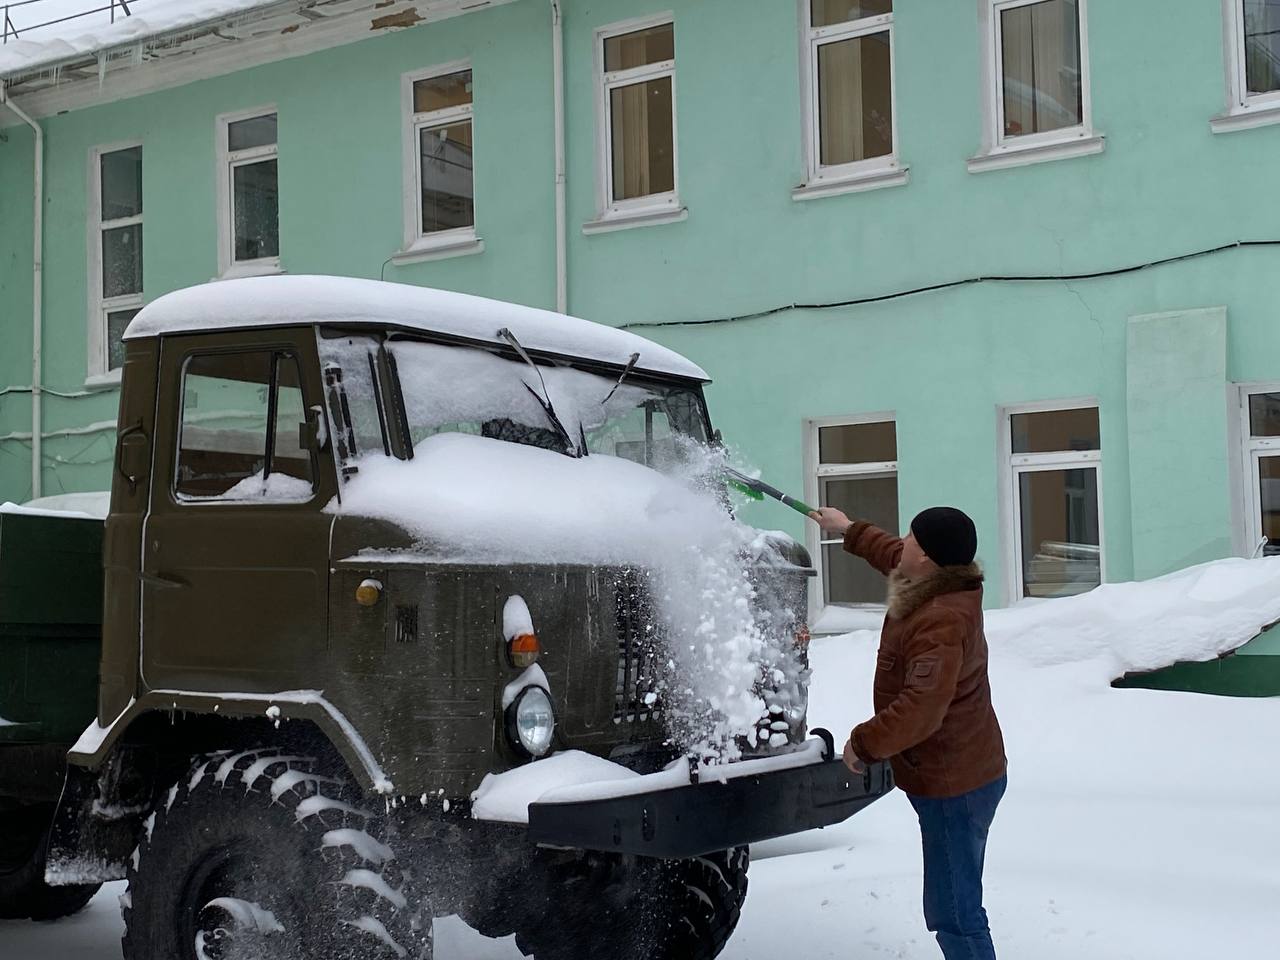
(950, 284)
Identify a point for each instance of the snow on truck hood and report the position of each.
(346, 301)
(473, 498)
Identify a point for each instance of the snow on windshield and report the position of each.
(466, 390)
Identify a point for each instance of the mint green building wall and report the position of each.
(943, 362)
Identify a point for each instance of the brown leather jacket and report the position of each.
(934, 721)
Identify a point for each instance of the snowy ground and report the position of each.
(1138, 824)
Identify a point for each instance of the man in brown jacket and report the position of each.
(934, 721)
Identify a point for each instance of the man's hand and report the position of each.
(851, 759)
(831, 520)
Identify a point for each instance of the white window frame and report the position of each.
(99, 372)
(1251, 449)
(828, 180)
(1014, 465)
(1000, 152)
(638, 211)
(1243, 111)
(228, 266)
(419, 246)
(815, 472)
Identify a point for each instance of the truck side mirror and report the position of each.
(133, 449)
(312, 433)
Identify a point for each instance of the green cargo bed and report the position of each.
(50, 625)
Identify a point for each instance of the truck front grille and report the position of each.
(636, 694)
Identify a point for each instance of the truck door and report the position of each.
(235, 546)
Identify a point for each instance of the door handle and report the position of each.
(162, 580)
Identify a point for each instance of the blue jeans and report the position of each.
(954, 834)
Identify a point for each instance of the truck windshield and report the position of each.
(450, 389)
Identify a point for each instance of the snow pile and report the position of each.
(277, 488)
(1194, 614)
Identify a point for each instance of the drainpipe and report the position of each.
(557, 56)
(37, 289)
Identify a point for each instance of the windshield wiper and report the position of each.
(544, 401)
(626, 372)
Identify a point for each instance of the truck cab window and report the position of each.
(239, 438)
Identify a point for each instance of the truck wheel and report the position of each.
(258, 854)
(23, 893)
(631, 908)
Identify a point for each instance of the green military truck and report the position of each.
(375, 632)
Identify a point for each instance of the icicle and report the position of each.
(102, 68)
(136, 55)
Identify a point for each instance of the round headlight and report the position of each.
(531, 721)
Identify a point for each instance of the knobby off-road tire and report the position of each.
(24, 844)
(636, 908)
(259, 854)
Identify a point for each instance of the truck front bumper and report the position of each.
(713, 815)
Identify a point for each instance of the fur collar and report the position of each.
(908, 596)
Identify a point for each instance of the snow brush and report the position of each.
(758, 490)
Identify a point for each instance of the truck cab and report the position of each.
(375, 553)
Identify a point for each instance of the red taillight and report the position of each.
(524, 650)
(802, 637)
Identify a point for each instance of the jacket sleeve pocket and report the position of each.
(924, 673)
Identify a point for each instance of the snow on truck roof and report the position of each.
(290, 300)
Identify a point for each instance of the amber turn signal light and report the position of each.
(524, 650)
(368, 593)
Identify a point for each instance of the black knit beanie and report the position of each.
(947, 536)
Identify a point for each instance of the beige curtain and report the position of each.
(855, 100)
(1040, 67)
(631, 174)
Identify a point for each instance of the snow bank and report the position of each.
(271, 301)
(1195, 614)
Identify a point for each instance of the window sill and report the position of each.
(1246, 118)
(839, 618)
(103, 381)
(637, 218)
(263, 268)
(438, 248)
(856, 183)
(1004, 157)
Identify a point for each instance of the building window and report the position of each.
(636, 65)
(116, 254)
(439, 185)
(1254, 29)
(850, 116)
(1055, 463)
(1038, 65)
(249, 202)
(855, 470)
(1262, 456)
(239, 438)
